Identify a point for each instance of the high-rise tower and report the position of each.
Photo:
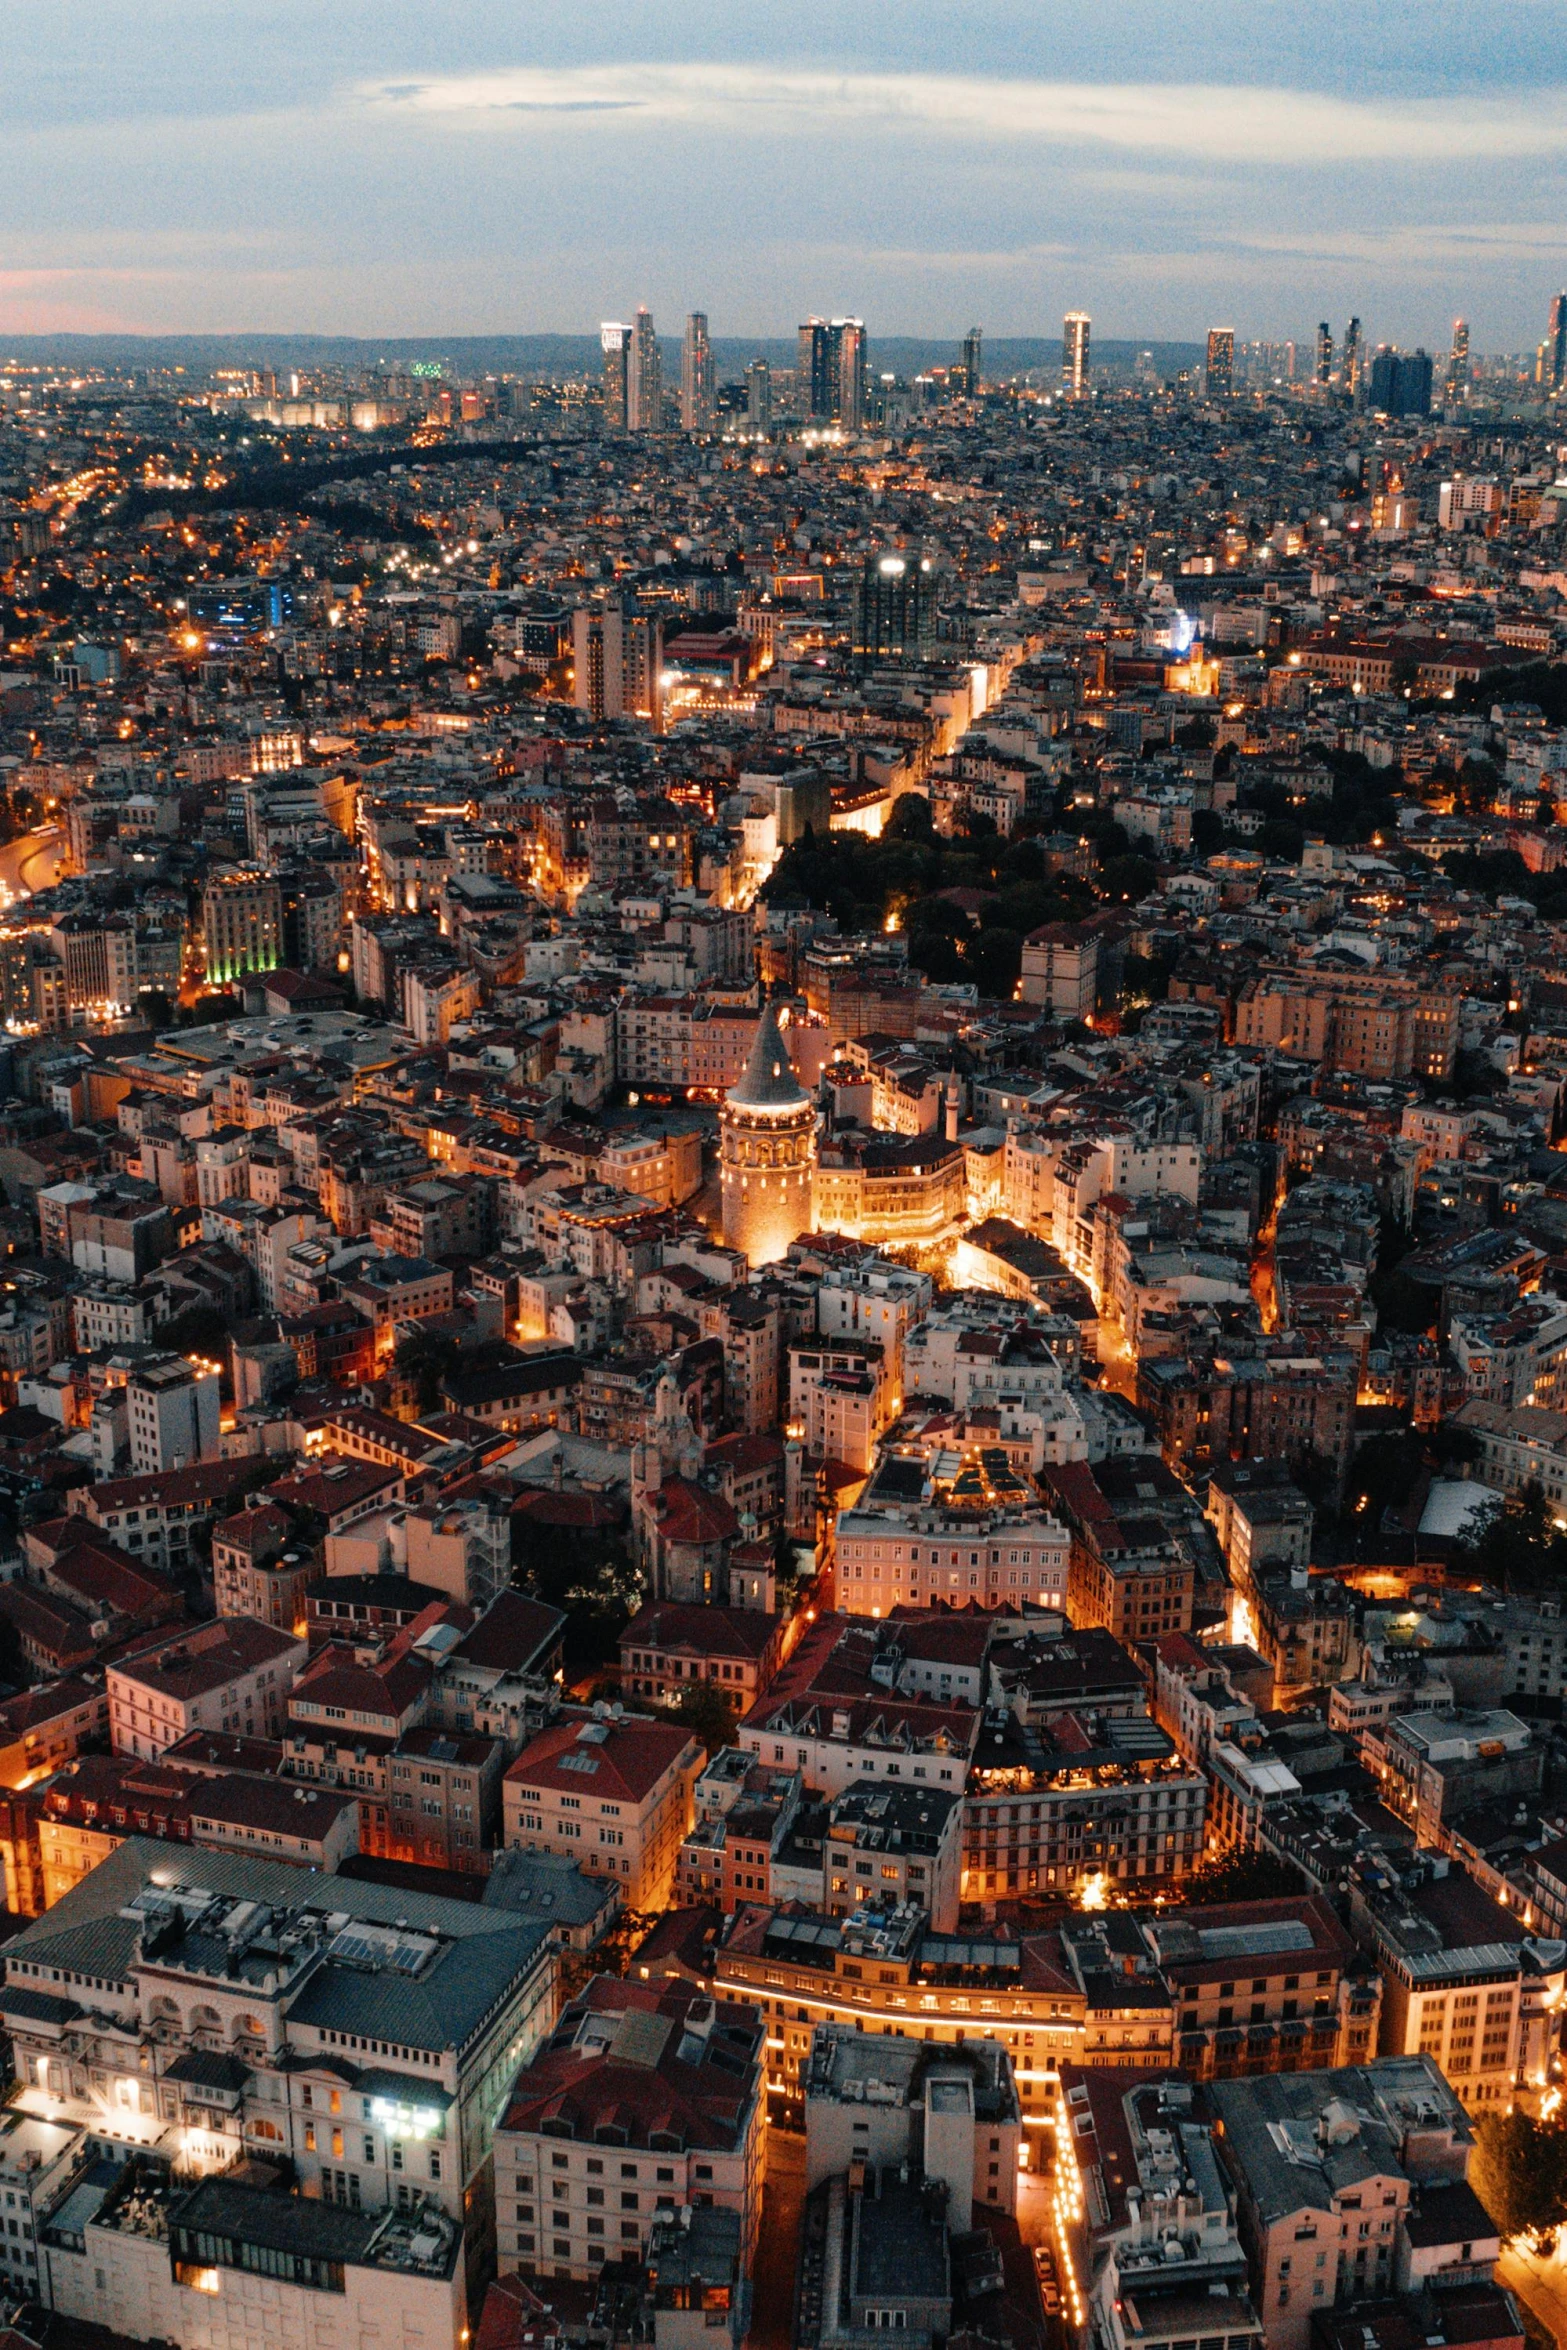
(1354, 359)
(1556, 345)
(696, 376)
(645, 377)
(767, 1152)
(1456, 387)
(1324, 356)
(615, 342)
(973, 361)
(1221, 362)
(848, 336)
(1074, 353)
(813, 370)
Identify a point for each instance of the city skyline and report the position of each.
(450, 171)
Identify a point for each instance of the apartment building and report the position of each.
(1376, 1023)
(893, 2103)
(1077, 1800)
(1465, 1984)
(893, 1844)
(840, 1398)
(1061, 969)
(835, 1736)
(964, 1528)
(647, 2098)
(1332, 2173)
(443, 1796)
(1266, 1986)
(172, 1410)
(233, 1674)
(613, 1794)
(153, 1517)
(259, 1569)
(669, 1647)
(1125, 1572)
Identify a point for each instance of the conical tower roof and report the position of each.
(769, 1082)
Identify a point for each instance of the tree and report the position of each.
(1382, 1477)
(995, 959)
(1242, 1876)
(1130, 879)
(910, 818)
(426, 1357)
(707, 1713)
(1518, 1547)
(1519, 2171)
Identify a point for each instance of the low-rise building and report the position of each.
(1330, 2169)
(1465, 1982)
(614, 1794)
(887, 2101)
(232, 1674)
(669, 1647)
(646, 2098)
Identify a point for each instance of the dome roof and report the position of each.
(769, 1081)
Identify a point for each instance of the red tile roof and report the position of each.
(628, 1757)
(694, 2083)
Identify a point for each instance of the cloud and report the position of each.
(1276, 126)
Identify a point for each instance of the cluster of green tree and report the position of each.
(907, 875)
(1542, 682)
(1241, 1876)
(1496, 873)
(1518, 1546)
(1519, 2171)
(1362, 808)
(588, 1575)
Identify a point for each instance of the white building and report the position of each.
(232, 1675)
(172, 1408)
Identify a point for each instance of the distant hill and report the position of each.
(470, 355)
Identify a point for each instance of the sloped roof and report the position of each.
(769, 1081)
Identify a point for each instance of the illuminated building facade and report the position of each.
(890, 1187)
(894, 610)
(372, 2056)
(1221, 362)
(615, 343)
(1075, 333)
(242, 924)
(696, 376)
(767, 1152)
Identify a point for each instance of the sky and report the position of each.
(397, 167)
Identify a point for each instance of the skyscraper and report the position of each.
(1352, 359)
(848, 336)
(645, 377)
(973, 361)
(894, 610)
(1074, 353)
(1401, 383)
(696, 376)
(1324, 355)
(830, 371)
(1221, 362)
(617, 661)
(1457, 385)
(615, 341)
(759, 396)
(1556, 345)
(813, 370)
